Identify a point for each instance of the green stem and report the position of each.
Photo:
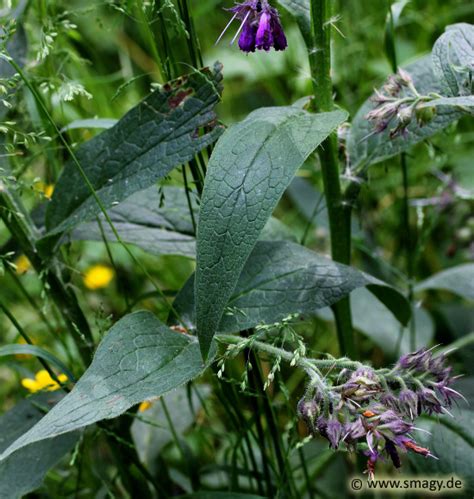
(262, 443)
(16, 220)
(464, 341)
(150, 40)
(393, 59)
(193, 41)
(30, 342)
(188, 190)
(339, 213)
(179, 444)
(31, 301)
(285, 474)
(309, 365)
(230, 403)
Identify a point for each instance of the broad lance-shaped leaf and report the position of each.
(281, 278)
(162, 132)
(444, 72)
(450, 440)
(300, 10)
(453, 59)
(458, 280)
(138, 359)
(365, 146)
(463, 103)
(23, 471)
(158, 222)
(251, 166)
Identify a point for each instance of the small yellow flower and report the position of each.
(42, 381)
(48, 190)
(98, 276)
(145, 405)
(45, 189)
(22, 265)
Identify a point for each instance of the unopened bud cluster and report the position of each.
(398, 103)
(374, 411)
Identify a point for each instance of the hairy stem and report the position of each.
(339, 213)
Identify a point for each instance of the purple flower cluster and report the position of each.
(375, 411)
(399, 102)
(260, 26)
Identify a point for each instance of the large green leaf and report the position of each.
(282, 278)
(162, 132)
(300, 10)
(251, 166)
(453, 59)
(464, 102)
(458, 280)
(24, 470)
(138, 359)
(365, 146)
(454, 452)
(159, 223)
(446, 72)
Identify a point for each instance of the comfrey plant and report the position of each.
(126, 389)
(260, 26)
(375, 411)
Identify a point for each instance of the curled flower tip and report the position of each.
(260, 26)
(408, 401)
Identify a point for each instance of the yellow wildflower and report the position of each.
(145, 405)
(98, 276)
(22, 265)
(48, 190)
(43, 381)
(45, 189)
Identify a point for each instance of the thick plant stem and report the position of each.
(339, 213)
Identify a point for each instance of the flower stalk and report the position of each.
(369, 411)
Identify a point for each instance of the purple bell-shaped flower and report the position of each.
(260, 26)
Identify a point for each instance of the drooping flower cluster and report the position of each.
(374, 411)
(398, 102)
(260, 26)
